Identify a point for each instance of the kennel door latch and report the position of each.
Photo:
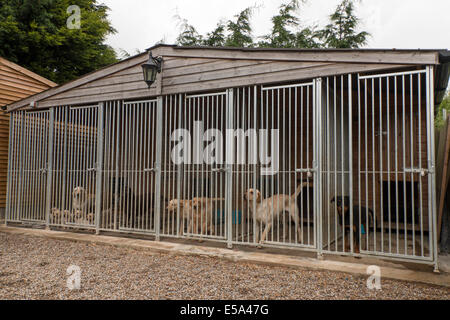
(309, 171)
(423, 172)
(219, 170)
(150, 170)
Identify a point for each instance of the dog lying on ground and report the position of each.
(63, 217)
(268, 210)
(343, 209)
(58, 216)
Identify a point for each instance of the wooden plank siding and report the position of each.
(188, 70)
(216, 75)
(16, 83)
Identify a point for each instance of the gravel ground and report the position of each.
(35, 268)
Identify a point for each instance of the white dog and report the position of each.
(83, 203)
(185, 207)
(269, 209)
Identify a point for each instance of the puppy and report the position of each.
(82, 202)
(269, 209)
(57, 216)
(343, 209)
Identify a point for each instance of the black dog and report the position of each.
(343, 208)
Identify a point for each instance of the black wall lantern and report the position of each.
(151, 68)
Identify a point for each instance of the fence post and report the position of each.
(98, 177)
(317, 111)
(350, 158)
(48, 200)
(157, 166)
(229, 169)
(431, 166)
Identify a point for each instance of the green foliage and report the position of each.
(445, 104)
(240, 30)
(216, 38)
(189, 35)
(286, 32)
(233, 33)
(34, 34)
(341, 31)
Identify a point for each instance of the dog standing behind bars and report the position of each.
(83, 203)
(205, 209)
(343, 209)
(185, 212)
(267, 210)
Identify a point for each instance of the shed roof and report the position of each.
(17, 82)
(125, 78)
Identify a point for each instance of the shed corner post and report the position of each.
(11, 144)
(49, 167)
(157, 167)
(99, 167)
(431, 165)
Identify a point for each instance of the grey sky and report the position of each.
(392, 23)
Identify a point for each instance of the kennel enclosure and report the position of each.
(106, 153)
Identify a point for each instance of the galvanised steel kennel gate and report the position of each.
(352, 152)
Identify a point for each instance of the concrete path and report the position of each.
(388, 271)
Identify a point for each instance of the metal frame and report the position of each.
(130, 143)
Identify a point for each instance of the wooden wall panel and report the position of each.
(16, 83)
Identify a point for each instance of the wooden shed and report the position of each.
(16, 83)
(346, 135)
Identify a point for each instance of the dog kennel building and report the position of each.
(108, 154)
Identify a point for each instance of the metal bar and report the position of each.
(318, 223)
(83, 107)
(308, 84)
(50, 142)
(405, 219)
(393, 74)
(350, 147)
(420, 161)
(98, 189)
(206, 95)
(432, 176)
(381, 163)
(229, 173)
(125, 103)
(373, 171)
(157, 166)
